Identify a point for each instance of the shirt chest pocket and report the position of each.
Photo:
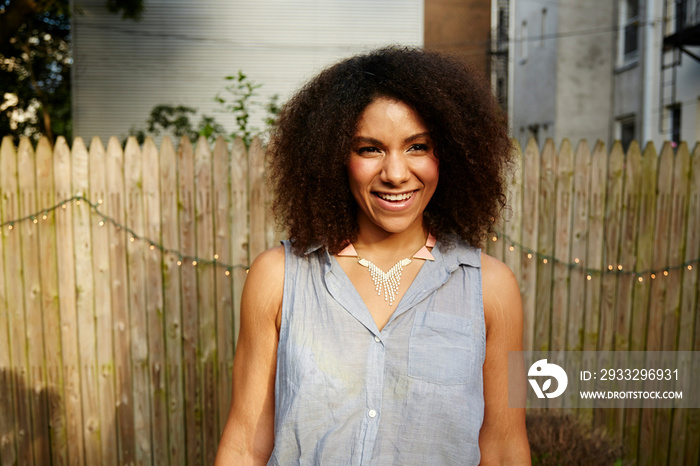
(441, 348)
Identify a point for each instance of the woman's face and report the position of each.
(392, 171)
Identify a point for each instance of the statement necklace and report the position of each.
(389, 281)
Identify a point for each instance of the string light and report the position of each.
(639, 275)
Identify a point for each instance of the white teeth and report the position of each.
(395, 197)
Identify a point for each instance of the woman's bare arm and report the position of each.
(248, 436)
(503, 438)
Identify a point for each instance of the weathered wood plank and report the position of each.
(190, 327)
(223, 279)
(611, 248)
(668, 423)
(258, 228)
(690, 307)
(172, 304)
(528, 285)
(240, 232)
(593, 262)
(562, 244)
(627, 281)
(67, 303)
(154, 303)
(136, 272)
(545, 247)
(115, 205)
(644, 245)
(36, 388)
(85, 305)
(579, 242)
(514, 223)
(206, 296)
(49, 300)
(594, 256)
(628, 236)
(9, 453)
(14, 270)
(103, 306)
(655, 445)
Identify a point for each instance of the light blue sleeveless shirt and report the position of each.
(412, 394)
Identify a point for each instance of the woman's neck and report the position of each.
(379, 245)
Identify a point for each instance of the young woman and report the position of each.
(379, 333)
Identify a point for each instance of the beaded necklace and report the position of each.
(389, 281)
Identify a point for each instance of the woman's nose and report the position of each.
(395, 170)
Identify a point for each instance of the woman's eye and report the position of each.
(419, 147)
(367, 150)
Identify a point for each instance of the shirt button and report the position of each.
(377, 339)
(372, 413)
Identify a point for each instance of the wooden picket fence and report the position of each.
(121, 272)
(606, 248)
(115, 347)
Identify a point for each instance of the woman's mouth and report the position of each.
(395, 197)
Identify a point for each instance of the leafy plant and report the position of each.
(237, 98)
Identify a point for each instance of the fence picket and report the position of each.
(114, 204)
(103, 306)
(690, 306)
(154, 303)
(67, 303)
(172, 304)
(9, 453)
(85, 305)
(206, 295)
(136, 273)
(36, 387)
(258, 227)
(676, 249)
(190, 327)
(562, 244)
(579, 242)
(531, 183)
(223, 279)
(240, 228)
(49, 298)
(611, 261)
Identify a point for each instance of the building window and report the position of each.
(523, 42)
(626, 129)
(629, 14)
(675, 125)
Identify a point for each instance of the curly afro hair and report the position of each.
(312, 140)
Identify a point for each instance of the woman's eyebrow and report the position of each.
(425, 134)
(365, 140)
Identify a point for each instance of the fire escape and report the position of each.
(680, 30)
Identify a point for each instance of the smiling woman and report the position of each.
(392, 170)
(379, 333)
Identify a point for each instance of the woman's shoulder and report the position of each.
(264, 285)
(500, 290)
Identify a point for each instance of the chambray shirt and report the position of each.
(412, 394)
